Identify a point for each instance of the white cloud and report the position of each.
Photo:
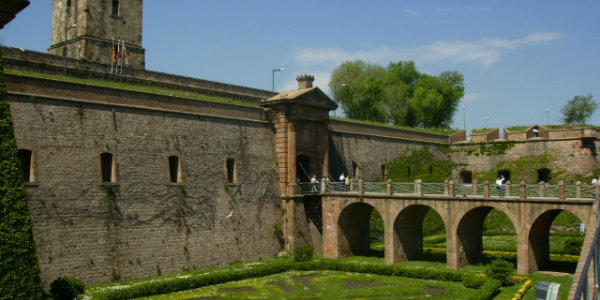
(485, 52)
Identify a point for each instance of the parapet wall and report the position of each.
(32, 61)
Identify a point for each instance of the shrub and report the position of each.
(433, 223)
(67, 288)
(302, 254)
(472, 281)
(500, 270)
(488, 290)
(573, 246)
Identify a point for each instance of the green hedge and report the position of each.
(488, 288)
(19, 272)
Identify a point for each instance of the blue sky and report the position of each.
(518, 58)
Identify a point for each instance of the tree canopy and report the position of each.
(579, 109)
(398, 94)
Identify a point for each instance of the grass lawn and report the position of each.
(326, 285)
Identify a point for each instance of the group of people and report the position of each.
(314, 182)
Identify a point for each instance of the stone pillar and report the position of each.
(389, 187)
(446, 187)
(523, 195)
(561, 190)
(475, 187)
(578, 191)
(292, 187)
(507, 188)
(419, 188)
(486, 190)
(361, 191)
(451, 190)
(330, 213)
(542, 189)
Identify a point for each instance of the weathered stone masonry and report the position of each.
(143, 224)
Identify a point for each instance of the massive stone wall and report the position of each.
(363, 150)
(143, 224)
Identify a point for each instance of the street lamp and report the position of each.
(273, 76)
(464, 119)
(547, 116)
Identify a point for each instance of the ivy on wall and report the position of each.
(525, 168)
(419, 164)
(19, 271)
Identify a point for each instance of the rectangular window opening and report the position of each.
(106, 165)
(26, 158)
(174, 169)
(231, 171)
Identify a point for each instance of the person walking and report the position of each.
(500, 185)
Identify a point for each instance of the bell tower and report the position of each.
(91, 29)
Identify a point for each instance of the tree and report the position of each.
(579, 109)
(398, 94)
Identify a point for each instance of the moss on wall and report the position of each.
(525, 169)
(19, 271)
(419, 164)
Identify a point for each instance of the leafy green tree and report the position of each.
(398, 94)
(579, 109)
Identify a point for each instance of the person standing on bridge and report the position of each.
(500, 185)
(313, 183)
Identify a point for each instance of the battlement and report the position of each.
(526, 133)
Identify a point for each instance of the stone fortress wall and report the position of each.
(226, 202)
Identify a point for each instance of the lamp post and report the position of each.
(273, 76)
(547, 116)
(464, 119)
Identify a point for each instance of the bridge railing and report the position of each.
(451, 189)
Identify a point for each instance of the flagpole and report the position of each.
(122, 55)
(112, 57)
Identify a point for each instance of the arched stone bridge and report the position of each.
(463, 208)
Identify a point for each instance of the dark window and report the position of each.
(466, 176)
(115, 7)
(106, 164)
(505, 173)
(26, 159)
(383, 172)
(174, 168)
(543, 175)
(231, 171)
(68, 7)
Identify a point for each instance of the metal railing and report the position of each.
(583, 288)
(451, 189)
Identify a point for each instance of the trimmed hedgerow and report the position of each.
(303, 253)
(487, 289)
(19, 272)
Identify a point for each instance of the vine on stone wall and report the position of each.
(19, 272)
(420, 164)
(525, 169)
(488, 149)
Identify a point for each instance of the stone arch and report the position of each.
(538, 239)
(408, 233)
(469, 234)
(353, 224)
